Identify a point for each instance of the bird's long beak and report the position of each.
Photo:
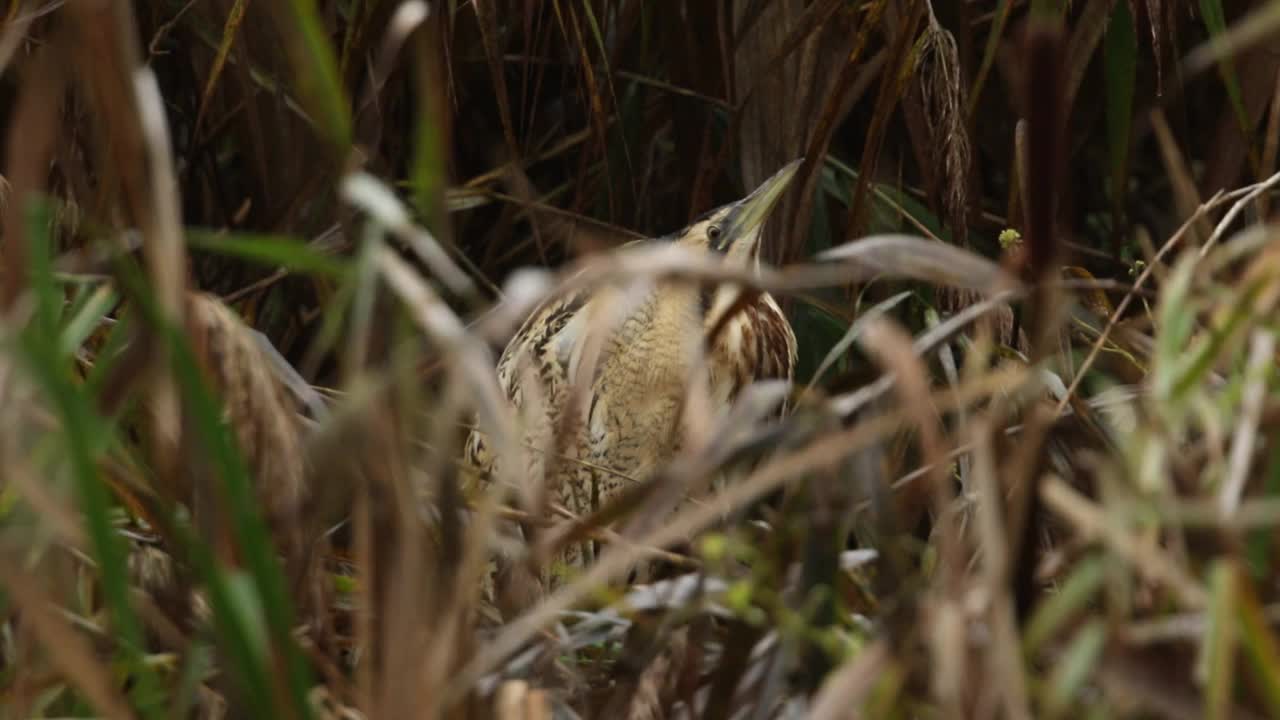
(754, 209)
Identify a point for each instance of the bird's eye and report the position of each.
(713, 232)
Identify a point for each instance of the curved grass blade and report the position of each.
(1215, 22)
(876, 311)
(989, 54)
(316, 72)
(85, 434)
(1121, 53)
(1056, 609)
(1075, 668)
(273, 250)
(84, 318)
(286, 666)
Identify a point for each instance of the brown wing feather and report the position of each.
(757, 344)
(539, 340)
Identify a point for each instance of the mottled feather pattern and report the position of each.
(630, 424)
(539, 340)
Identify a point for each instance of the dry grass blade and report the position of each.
(1087, 33)
(1184, 186)
(790, 102)
(229, 31)
(1148, 560)
(29, 148)
(1252, 193)
(933, 262)
(1261, 362)
(821, 452)
(517, 701)
(1038, 524)
(409, 16)
(1258, 26)
(372, 196)
(902, 31)
(1005, 661)
(895, 352)
(163, 247)
(15, 30)
(888, 255)
(852, 402)
(1155, 18)
(487, 14)
(69, 651)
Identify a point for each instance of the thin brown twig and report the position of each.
(688, 522)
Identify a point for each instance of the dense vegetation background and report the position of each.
(249, 253)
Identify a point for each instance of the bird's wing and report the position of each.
(756, 344)
(779, 354)
(542, 344)
(545, 340)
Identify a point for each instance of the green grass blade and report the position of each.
(1219, 645)
(1215, 22)
(1258, 639)
(427, 175)
(1074, 668)
(1121, 53)
(84, 319)
(273, 250)
(989, 54)
(226, 595)
(84, 434)
(1052, 614)
(316, 70)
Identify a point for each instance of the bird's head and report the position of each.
(734, 230)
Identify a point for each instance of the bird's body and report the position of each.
(627, 423)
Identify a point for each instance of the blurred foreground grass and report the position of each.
(258, 259)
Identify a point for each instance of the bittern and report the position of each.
(629, 425)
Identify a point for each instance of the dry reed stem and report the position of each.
(68, 650)
(1258, 371)
(1253, 192)
(1004, 658)
(1145, 558)
(689, 522)
(1123, 305)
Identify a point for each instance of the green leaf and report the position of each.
(316, 71)
(85, 318)
(427, 175)
(1074, 668)
(989, 54)
(1219, 645)
(1258, 641)
(273, 250)
(817, 331)
(84, 433)
(850, 336)
(1215, 22)
(1121, 53)
(1057, 609)
(284, 668)
(197, 667)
